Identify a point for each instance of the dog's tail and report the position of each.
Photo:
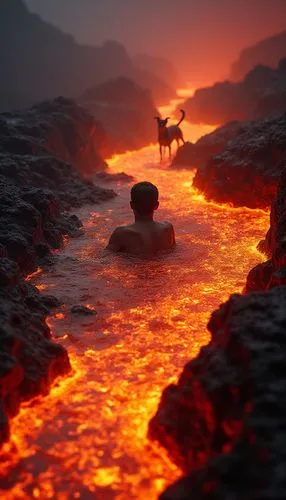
(182, 117)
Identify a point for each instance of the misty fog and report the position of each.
(201, 37)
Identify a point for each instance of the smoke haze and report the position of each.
(201, 37)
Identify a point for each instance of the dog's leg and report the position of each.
(170, 152)
(161, 152)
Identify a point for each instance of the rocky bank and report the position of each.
(46, 153)
(239, 163)
(223, 423)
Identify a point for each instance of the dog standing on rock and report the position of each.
(166, 135)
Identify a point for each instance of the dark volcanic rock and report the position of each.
(36, 181)
(29, 361)
(82, 311)
(247, 171)
(268, 51)
(224, 422)
(196, 155)
(275, 238)
(42, 62)
(31, 223)
(58, 128)
(37, 187)
(126, 110)
(120, 177)
(272, 273)
(261, 94)
(50, 301)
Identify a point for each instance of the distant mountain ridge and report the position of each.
(267, 52)
(262, 93)
(159, 66)
(42, 62)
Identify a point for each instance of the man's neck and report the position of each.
(144, 218)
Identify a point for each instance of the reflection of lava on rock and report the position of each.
(89, 434)
(222, 420)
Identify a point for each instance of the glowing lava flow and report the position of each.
(87, 439)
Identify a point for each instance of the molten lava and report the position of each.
(87, 439)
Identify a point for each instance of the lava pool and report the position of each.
(87, 438)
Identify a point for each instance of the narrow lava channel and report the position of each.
(87, 439)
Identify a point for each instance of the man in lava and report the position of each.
(144, 236)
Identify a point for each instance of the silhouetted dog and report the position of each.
(166, 135)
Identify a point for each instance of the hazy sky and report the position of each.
(202, 37)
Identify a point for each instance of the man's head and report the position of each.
(144, 198)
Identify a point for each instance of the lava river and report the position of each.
(87, 438)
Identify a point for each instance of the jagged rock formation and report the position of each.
(196, 155)
(272, 273)
(223, 423)
(29, 360)
(57, 128)
(247, 170)
(262, 93)
(41, 62)
(267, 52)
(126, 111)
(159, 66)
(37, 188)
(32, 224)
(36, 182)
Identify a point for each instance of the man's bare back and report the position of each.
(147, 237)
(144, 236)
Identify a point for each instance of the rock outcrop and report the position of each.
(267, 52)
(247, 171)
(41, 62)
(272, 273)
(126, 111)
(58, 128)
(38, 188)
(262, 93)
(196, 155)
(29, 360)
(224, 422)
(37, 184)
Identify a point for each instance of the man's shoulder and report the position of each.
(166, 225)
(124, 232)
(124, 229)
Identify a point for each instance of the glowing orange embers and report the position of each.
(87, 439)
